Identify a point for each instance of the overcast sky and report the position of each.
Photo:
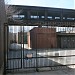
(46, 3)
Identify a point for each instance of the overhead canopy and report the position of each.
(34, 15)
(49, 10)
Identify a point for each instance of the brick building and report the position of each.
(43, 38)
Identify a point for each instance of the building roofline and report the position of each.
(41, 7)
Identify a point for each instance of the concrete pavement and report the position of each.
(56, 72)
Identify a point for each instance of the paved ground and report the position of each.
(58, 72)
(18, 57)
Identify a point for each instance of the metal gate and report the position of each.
(18, 57)
(21, 58)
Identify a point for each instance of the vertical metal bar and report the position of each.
(7, 46)
(13, 65)
(35, 62)
(29, 62)
(23, 45)
(36, 55)
(47, 48)
(47, 35)
(10, 67)
(26, 63)
(18, 64)
(4, 49)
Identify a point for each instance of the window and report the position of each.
(34, 17)
(49, 17)
(42, 16)
(21, 16)
(18, 16)
(70, 18)
(57, 17)
(15, 16)
(63, 17)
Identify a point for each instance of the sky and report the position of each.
(70, 4)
